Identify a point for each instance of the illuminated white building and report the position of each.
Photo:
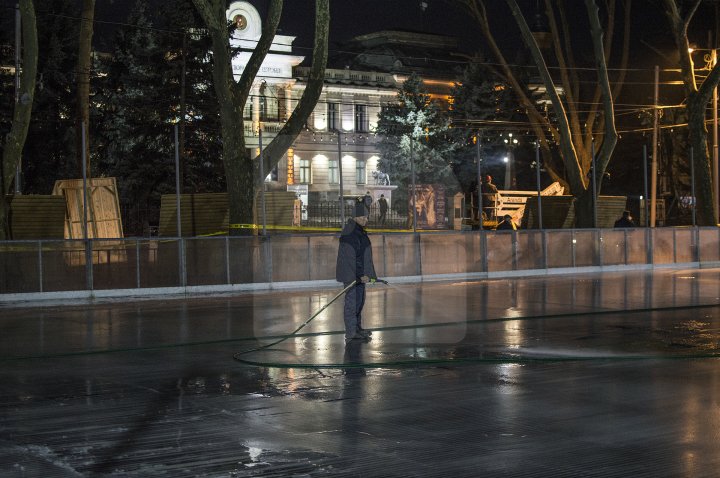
(349, 104)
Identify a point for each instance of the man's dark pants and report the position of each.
(354, 302)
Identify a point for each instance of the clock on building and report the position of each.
(246, 19)
(240, 22)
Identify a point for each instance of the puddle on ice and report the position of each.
(254, 453)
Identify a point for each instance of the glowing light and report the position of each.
(290, 166)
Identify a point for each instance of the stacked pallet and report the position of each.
(207, 214)
(558, 212)
(37, 217)
(103, 214)
(200, 214)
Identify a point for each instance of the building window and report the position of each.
(362, 120)
(333, 176)
(360, 171)
(304, 171)
(269, 108)
(333, 116)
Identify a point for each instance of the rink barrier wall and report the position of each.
(74, 269)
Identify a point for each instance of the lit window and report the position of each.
(360, 172)
(333, 116)
(333, 176)
(362, 120)
(304, 171)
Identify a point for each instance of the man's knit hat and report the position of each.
(360, 208)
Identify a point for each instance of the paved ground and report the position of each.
(597, 375)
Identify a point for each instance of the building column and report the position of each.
(288, 102)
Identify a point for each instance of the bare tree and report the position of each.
(574, 131)
(14, 141)
(241, 171)
(697, 99)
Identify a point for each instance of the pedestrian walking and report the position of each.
(383, 205)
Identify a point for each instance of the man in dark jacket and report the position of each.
(625, 220)
(383, 205)
(355, 263)
(506, 224)
(489, 196)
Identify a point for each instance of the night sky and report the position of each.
(356, 17)
(348, 17)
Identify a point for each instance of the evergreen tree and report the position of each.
(7, 79)
(477, 102)
(49, 152)
(415, 133)
(188, 43)
(135, 139)
(139, 104)
(480, 103)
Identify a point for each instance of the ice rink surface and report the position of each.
(597, 375)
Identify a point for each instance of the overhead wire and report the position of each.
(638, 109)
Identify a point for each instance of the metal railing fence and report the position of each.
(327, 214)
(55, 266)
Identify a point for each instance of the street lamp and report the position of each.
(509, 161)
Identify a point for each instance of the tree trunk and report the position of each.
(241, 171)
(696, 101)
(232, 97)
(83, 83)
(584, 209)
(280, 144)
(701, 159)
(238, 174)
(567, 147)
(15, 139)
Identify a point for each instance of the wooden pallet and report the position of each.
(37, 217)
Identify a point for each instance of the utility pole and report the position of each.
(18, 47)
(262, 178)
(183, 107)
(414, 186)
(340, 172)
(479, 180)
(716, 200)
(654, 162)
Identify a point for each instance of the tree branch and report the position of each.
(537, 121)
(679, 30)
(242, 88)
(571, 87)
(570, 158)
(285, 138)
(15, 139)
(610, 140)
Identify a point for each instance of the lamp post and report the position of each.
(414, 186)
(263, 87)
(509, 160)
(18, 46)
(340, 173)
(715, 174)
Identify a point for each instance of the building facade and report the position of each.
(337, 153)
